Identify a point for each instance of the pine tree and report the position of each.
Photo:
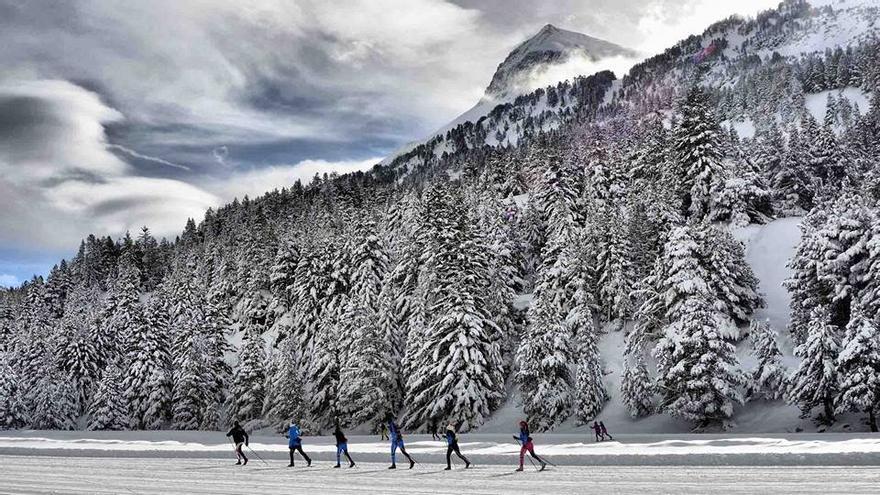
(698, 149)
(108, 409)
(79, 352)
(768, 379)
(54, 400)
(286, 390)
(188, 401)
(248, 383)
(729, 275)
(12, 407)
(636, 387)
(543, 374)
(698, 370)
(815, 381)
(590, 393)
(323, 372)
(458, 362)
(147, 381)
(859, 369)
(368, 388)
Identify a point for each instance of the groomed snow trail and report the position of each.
(81, 475)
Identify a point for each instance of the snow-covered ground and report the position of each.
(25, 474)
(202, 462)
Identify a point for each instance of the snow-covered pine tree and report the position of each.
(636, 386)
(79, 353)
(368, 385)
(310, 288)
(108, 409)
(590, 393)
(146, 384)
(121, 311)
(815, 382)
(698, 149)
(54, 401)
(614, 266)
(793, 183)
(12, 407)
(458, 366)
(699, 374)
(859, 368)
(767, 381)
(322, 374)
(286, 389)
(543, 374)
(808, 291)
(729, 275)
(188, 401)
(249, 380)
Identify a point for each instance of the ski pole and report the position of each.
(235, 449)
(256, 454)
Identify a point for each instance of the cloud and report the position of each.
(134, 154)
(59, 177)
(578, 64)
(7, 280)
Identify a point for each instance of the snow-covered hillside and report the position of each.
(552, 55)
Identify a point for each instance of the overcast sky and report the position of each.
(115, 115)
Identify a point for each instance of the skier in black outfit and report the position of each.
(239, 437)
(605, 431)
(433, 428)
(452, 446)
(598, 431)
(341, 446)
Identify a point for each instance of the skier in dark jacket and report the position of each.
(598, 431)
(397, 442)
(239, 438)
(294, 443)
(452, 446)
(434, 434)
(605, 431)
(341, 446)
(525, 441)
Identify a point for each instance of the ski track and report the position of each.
(79, 475)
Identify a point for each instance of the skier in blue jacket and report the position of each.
(526, 445)
(452, 446)
(397, 442)
(294, 442)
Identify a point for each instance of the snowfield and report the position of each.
(200, 462)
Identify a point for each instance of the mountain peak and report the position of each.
(549, 46)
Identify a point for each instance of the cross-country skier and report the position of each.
(452, 446)
(434, 434)
(341, 446)
(239, 437)
(384, 431)
(525, 440)
(397, 442)
(605, 431)
(598, 431)
(294, 443)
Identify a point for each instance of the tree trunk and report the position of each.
(829, 411)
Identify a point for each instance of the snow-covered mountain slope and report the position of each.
(552, 55)
(549, 48)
